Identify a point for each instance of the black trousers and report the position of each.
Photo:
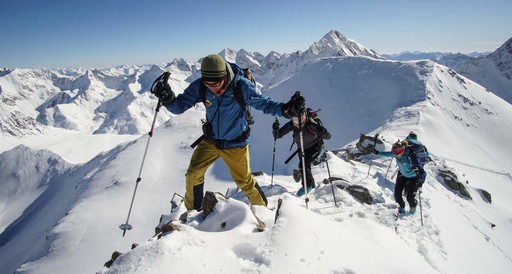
(409, 186)
(310, 154)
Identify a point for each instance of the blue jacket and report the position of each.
(408, 164)
(224, 113)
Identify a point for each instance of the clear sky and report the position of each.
(105, 33)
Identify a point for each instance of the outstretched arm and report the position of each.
(283, 131)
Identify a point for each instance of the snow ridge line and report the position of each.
(482, 168)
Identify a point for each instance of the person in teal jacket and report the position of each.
(226, 131)
(411, 174)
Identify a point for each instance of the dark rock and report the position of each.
(451, 180)
(486, 195)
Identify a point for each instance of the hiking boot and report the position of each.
(401, 210)
(412, 210)
(301, 190)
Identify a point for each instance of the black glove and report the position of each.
(374, 151)
(295, 106)
(161, 89)
(419, 183)
(275, 128)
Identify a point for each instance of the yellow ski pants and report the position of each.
(237, 161)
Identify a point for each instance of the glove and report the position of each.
(162, 90)
(374, 151)
(275, 128)
(419, 183)
(295, 106)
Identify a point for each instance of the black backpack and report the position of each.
(420, 150)
(239, 97)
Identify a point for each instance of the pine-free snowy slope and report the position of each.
(459, 121)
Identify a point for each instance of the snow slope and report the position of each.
(73, 226)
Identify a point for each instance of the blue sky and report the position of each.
(105, 33)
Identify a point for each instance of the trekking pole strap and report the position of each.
(196, 142)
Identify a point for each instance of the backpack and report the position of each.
(419, 149)
(239, 97)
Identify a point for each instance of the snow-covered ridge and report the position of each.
(116, 100)
(454, 116)
(492, 70)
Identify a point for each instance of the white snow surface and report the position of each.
(61, 207)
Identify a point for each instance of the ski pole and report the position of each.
(301, 152)
(329, 174)
(421, 209)
(161, 80)
(390, 161)
(274, 157)
(327, 164)
(127, 226)
(371, 160)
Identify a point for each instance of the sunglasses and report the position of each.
(398, 151)
(212, 84)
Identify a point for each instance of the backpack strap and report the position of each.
(202, 92)
(239, 96)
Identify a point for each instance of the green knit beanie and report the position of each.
(213, 68)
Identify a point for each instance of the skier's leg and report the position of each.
(399, 189)
(411, 188)
(238, 162)
(310, 155)
(204, 155)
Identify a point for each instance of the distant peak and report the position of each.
(336, 44)
(335, 34)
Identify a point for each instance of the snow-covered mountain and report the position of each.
(72, 223)
(80, 99)
(491, 70)
(494, 71)
(439, 57)
(26, 174)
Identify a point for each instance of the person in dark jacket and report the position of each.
(313, 134)
(411, 174)
(226, 131)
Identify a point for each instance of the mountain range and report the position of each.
(60, 207)
(36, 98)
